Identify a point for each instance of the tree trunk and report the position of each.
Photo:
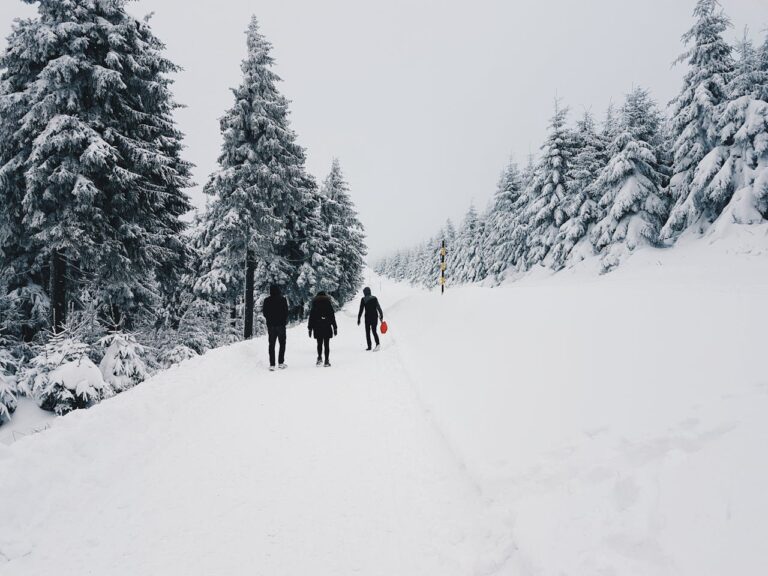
(58, 291)
(116, 319)
(250, 269)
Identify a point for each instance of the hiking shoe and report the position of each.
(327, 365)
(282, 366)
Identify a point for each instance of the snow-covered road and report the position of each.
(570, 425)
(220, 467)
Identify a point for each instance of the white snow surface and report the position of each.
(569, 424)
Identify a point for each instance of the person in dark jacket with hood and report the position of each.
(275, 310)
(372, 309)
(322, 323)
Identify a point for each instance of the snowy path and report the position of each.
(575, 425)
(228, 469)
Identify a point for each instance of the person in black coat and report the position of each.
(322, 323)
(275, 310)
(370, 305)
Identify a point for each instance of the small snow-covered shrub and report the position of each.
(7, 398)
(61, 377)
(174, 356)
(8, 390)
(123, 363)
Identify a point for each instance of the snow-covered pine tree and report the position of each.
(517, 249)
(97, 150)
(123, 364)
(260, 175)
(502, 220)
(545, 210)
(425, 263)
(731, 182)
(17, 259)
(8, 390)
(581, 205)
(465, 248)
(477, 261)
(697, 112)
(304, 254)
(347, 235)
(762, 67)
(61, 376)
(630, 185)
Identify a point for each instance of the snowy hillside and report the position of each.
(572, 424)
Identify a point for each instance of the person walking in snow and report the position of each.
(275, 311)
(322, 322)
(372, 309)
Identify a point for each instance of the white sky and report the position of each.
(422, 100)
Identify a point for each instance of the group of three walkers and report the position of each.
(322, 323)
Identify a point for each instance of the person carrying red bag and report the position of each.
(373, 313)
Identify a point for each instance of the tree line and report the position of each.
(637, 178)
(101, 279)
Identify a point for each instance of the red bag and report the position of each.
(384, 327)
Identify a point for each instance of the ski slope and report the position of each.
(559, 425)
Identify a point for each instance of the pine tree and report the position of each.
(17, 255)
(731, 182)
(347, 235)
(696, 113)
(307, 264)
(516, 251)
(123, 364)
(97, 151)
(259, 180)
(8, 390)
(630, 185)
(545, 213)
(762, 66)
(502, 220)
(61, 376)
(581, 205)
(465, 248)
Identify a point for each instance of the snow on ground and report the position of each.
(559, 425)
(28, 419)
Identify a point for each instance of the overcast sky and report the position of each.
(422, 101)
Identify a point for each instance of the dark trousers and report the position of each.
(276, 333)
(323, 343)
(371, 326)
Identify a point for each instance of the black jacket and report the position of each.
(275, 308)
(322, 318)
(370, 305)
